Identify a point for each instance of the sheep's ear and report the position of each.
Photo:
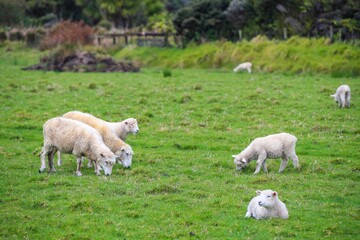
(234, 156)
(126, 123)
(258, 192)
(274, 194)
(244, 160)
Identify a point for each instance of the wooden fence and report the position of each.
(141, 39)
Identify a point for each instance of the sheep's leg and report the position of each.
(96, 167)
(89, 164)
(51, 161)
(264, 167)
(295, 159)
(283, 163)
(43, 154)
(260, 162)
(59, 158)
(347, 99)
(342, 100)
(78, 168)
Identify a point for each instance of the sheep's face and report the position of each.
(239, 162)
(266, 198)
(131, 125)
(335, 97)
(124, 156)
(107, 162)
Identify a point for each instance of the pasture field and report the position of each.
(183, 183)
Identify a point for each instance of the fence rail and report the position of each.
(141, 38)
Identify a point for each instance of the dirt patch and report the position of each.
(83, 62)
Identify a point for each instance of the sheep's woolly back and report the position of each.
(109, 137)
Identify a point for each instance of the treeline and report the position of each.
(196, 20)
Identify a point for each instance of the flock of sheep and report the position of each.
(102, 142)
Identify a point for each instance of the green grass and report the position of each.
(296, 55)
(183, 183)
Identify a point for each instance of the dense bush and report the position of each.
(67, 32)
(16, 35)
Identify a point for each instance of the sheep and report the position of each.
(74, 137)
(243, 66)
(116, 145)
(272, 146)
(266, 205)
(124, 128)
(342, 96)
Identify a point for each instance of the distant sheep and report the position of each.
(73, 137)
(244, 66)
(272, 146)
(342, 96)
(267, 205)
(116, 145)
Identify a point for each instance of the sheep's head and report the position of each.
(240, 162)
(266, 198)
(131, 125)
(106, 162)
(124, 156)
(335, 97)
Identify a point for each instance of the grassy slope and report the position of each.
(183, 182)
(293, 56)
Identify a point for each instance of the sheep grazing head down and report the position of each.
(267, 198)
(124, 156)
(240, 162)
(107, 162)
(131, 125)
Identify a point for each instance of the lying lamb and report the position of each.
(244, 66)
(342, 96)
(116, 145)
(272, 146)
(267, 205)
(73, 137)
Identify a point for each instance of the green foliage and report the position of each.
(296, 55)
(12, 12)
(183, 182)
(167, 72)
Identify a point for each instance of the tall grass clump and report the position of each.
(296, 55)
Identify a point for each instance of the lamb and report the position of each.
(116, 145)
(124, 128)
(342, 96)
(74, 137)
(266, 205)
(244, 66)
(272, 146)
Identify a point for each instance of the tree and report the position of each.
(12, 12)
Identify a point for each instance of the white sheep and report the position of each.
(267, 205)
(272, 146)
(342, 96)
(244, 66)
(73, 137)
(124, 128)
(116, 145)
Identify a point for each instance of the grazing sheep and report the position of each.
(74, 137)
(342, 96)
(124, 128)
(116, 145)
(244, 66)
(267, 205)
(272, 146)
